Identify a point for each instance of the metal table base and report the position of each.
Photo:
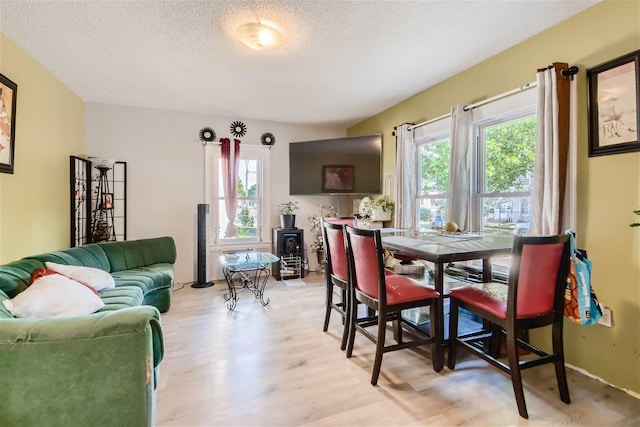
(246, 269)
(251, 278)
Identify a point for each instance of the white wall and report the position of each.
(165, 169)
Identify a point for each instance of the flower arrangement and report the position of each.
(370, 207)
(318, 243)
(315, 221)
(288, 208)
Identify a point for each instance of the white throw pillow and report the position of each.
(94, 277)
(54, 296)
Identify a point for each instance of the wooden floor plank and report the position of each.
(273, 366)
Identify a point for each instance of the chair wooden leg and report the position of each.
(437, 352)
(353, 317)
(492, 345)
(346, 303)
(397, 329)
(453, 333)
(327, 313)
(558, 349)
(514, 370)
(382, 329)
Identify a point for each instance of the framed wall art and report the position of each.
(614, 105)
(8, 96)
(337, 178)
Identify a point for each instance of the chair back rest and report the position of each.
(335, 251)
(366, 262)
(538, 275)
(342, 221)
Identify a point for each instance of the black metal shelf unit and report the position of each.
(288, 245)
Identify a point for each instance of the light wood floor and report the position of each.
(273, 366)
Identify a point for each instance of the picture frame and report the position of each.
(614, 105)
(338, 178)
(8, 97)
(108, 201)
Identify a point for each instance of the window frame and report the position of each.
(213, 197)
(418, 196)
(478, 193)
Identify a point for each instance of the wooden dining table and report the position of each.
(444, 248)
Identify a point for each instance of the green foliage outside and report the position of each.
(243, 193)
(510, 155)
(247, 221)
(434, 167)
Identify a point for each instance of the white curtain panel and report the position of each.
(405, 182)
(569, 207)
(545, 194)
(459, 190)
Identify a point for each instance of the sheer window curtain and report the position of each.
(570, 205)
(460, 179)
(552, 150)
(230, 166)
(405, 171)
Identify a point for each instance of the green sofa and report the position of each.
(99, 369)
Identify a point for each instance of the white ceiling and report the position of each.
(341, 61)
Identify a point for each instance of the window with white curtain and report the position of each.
(432, 168)
(505, 155)
(252, 212)
(432, 153)
(503, 160)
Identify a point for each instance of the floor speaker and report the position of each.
(203, 210)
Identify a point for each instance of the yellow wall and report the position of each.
(34, 201)
(608, 186)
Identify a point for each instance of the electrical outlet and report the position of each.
(605, 320)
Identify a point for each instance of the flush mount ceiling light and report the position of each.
(259, 36)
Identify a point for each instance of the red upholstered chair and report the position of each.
(336, 273)
(532, 298)
(386, 294)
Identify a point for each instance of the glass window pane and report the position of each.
(248, 178)
(433, 167)
(247, 218)
(509, 150)
(506, 215)
(431, 212)
(248, 202)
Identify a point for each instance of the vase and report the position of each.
(287, 221)
(322, 262)
(381, 215)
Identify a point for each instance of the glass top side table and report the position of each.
(246, 269)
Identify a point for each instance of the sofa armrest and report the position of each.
(81, 371)
(110, 323)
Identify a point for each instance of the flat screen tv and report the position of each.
(350, 165)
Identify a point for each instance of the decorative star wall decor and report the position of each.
(238, 129)
(207, 135)
(268, 139)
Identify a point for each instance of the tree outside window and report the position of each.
(506, 153)
(504, 156)
(433, 179)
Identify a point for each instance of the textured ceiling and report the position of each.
(341, 61)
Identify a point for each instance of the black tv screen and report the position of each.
(350, 165)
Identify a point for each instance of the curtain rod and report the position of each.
(480, 103)
(500, 96)
(444, 116)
